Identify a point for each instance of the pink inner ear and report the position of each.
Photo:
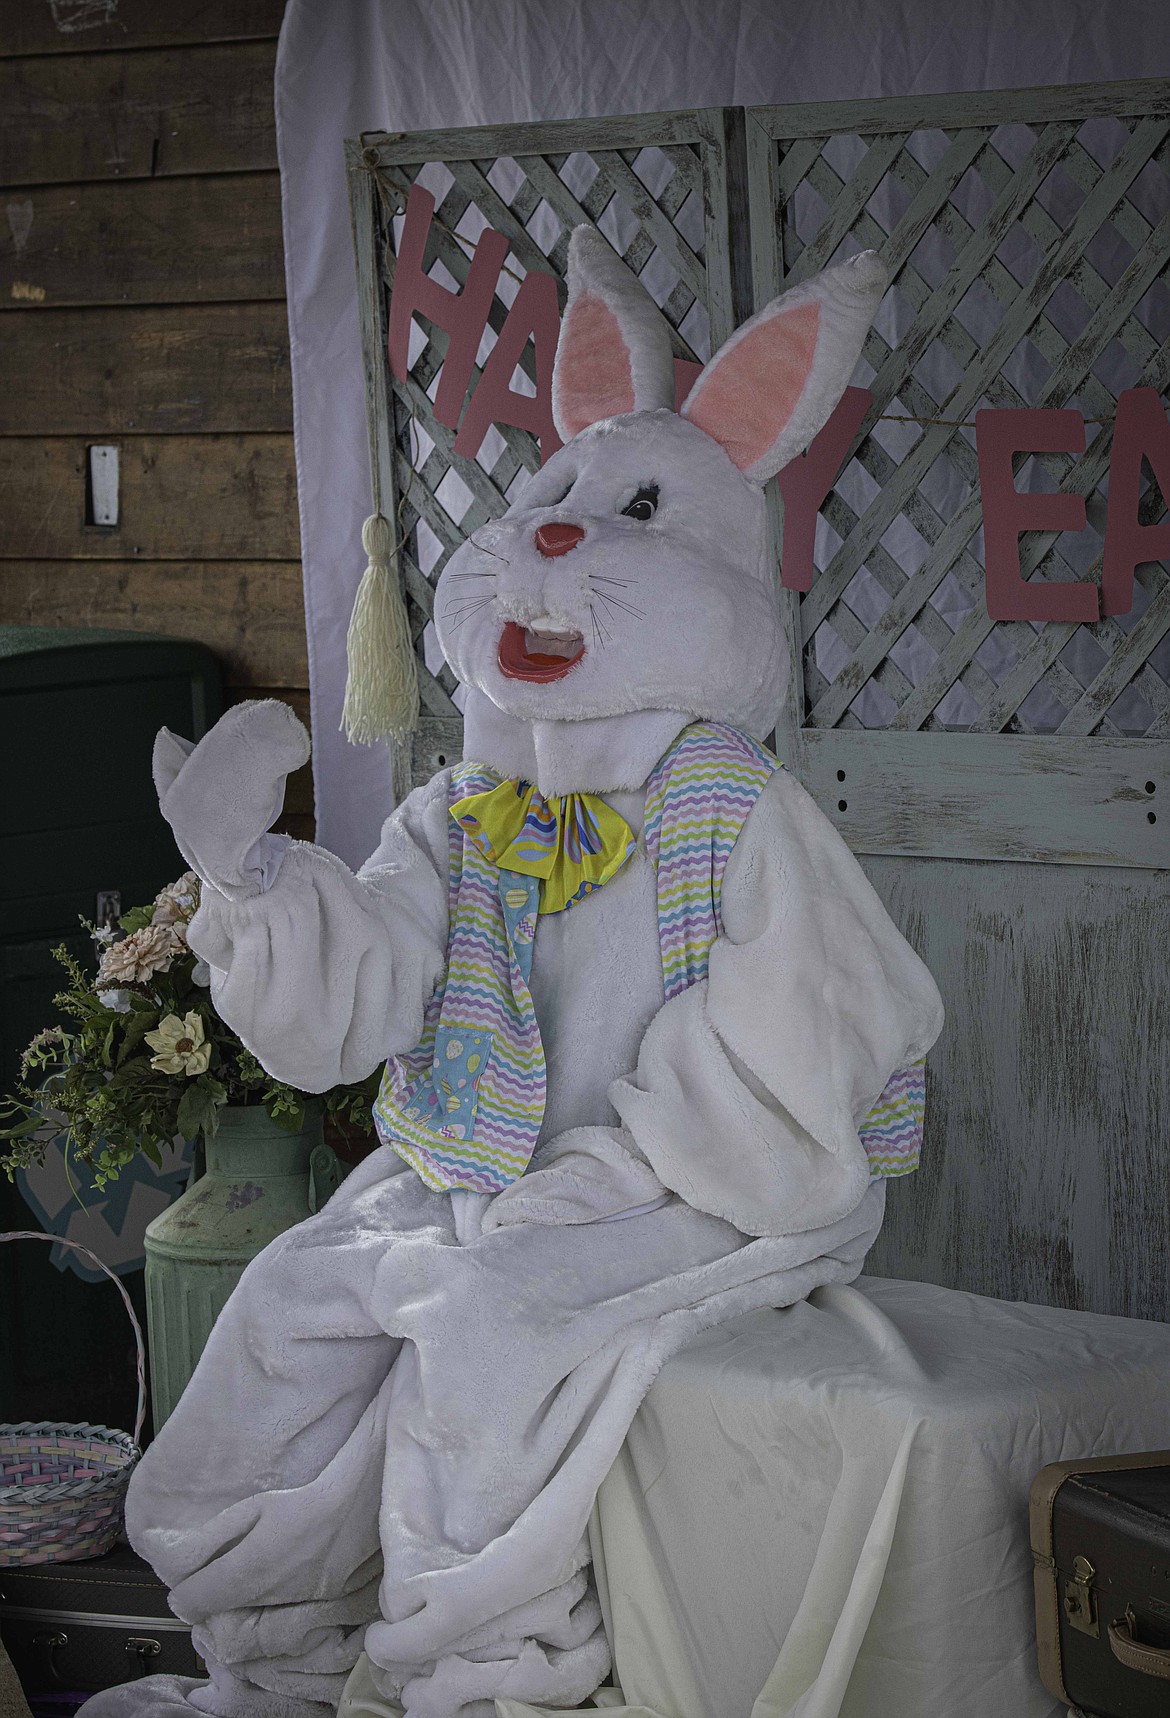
(594, 378)
(753, 389)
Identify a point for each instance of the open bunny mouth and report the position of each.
(537, 653)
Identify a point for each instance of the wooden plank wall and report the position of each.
(142, 303)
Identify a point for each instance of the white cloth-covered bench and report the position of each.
(822, 1512)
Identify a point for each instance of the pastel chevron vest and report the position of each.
(465, 1107)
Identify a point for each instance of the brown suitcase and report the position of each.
(1101, 1546)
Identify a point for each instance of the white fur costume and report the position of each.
(398, 1427)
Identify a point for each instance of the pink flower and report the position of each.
(138, 956)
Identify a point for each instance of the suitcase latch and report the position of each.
(142, 1647)
(1080, 1606)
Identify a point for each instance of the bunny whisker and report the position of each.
(599, 631)
(605, 579)
(466, 611)
(458, 604)
(616, 602)
(473, 575)
(484, 551)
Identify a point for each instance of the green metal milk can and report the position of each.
(259, 1180)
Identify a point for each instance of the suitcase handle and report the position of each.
(1128, 1650)
(50, 1645)
(59, 1241)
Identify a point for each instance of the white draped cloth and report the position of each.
(823, 1512)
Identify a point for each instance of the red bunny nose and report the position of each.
(558, 539)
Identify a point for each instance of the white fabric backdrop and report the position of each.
(346, 66)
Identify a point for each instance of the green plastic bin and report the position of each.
(79, 710)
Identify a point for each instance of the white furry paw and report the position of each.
(222, 795)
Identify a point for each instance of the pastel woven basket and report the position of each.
(62, 1487)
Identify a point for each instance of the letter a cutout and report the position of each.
(1140, 428)
(535, 315)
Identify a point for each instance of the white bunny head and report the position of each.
(633, 572)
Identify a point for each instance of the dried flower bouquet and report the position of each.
(149, 1058)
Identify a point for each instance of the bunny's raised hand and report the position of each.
(321, 972)
(222, 796)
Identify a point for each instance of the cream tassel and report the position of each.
(381, 693)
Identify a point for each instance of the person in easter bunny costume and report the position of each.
(652, 1046)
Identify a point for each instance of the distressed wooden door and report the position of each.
(1005, 783)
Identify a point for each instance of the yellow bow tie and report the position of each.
(574, 842)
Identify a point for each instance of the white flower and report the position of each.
(181, 1046)
(138, 957)
(103, 935)
(118, 1000)
(178, 902)
(51, 1037)
(201, 975)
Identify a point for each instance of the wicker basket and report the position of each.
(62, 1487)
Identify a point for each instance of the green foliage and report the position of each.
(108, 1089)
(136, 919)
(199, 1107)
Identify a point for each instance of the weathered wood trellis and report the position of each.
(988, 772)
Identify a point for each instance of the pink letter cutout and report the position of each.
(1140, 428)
(686, 374)
(462, 315)
(806, 480)
(998, 435)
(535, 315)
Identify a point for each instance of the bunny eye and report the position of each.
(645, 503)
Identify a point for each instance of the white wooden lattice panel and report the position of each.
(1028, 234)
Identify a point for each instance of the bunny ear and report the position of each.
(771, 387)
(614, 351)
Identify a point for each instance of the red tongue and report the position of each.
(517, 662)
